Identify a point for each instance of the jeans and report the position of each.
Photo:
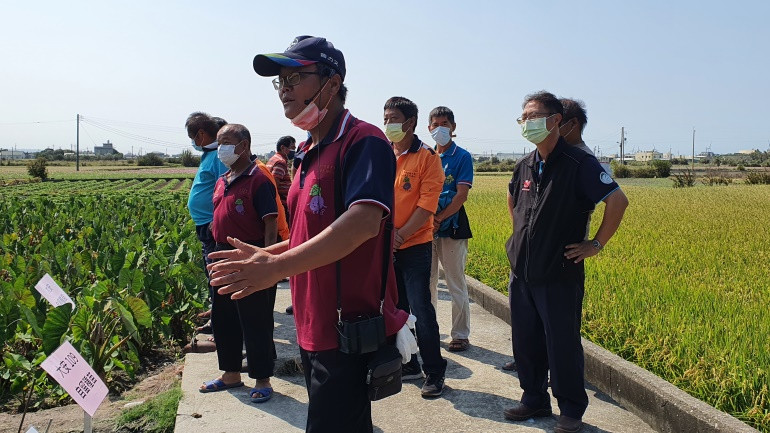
(412, 266)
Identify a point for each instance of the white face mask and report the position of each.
(227, 155)
(441, 135)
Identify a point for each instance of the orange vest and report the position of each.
(283, 226)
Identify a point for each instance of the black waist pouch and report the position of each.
(384, 376)
(361, 335)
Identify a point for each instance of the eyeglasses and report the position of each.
(290, 80)
(532, 116)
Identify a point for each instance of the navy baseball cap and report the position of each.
(303, 51)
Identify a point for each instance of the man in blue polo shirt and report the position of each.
(451, 226)
(202, 130)
(551, 195)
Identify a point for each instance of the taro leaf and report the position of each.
(80, 324)
(182, 256)
(130, 259)
(56, 325)
(61, 253)
(155, 289)
(31, 319)
(128, 322)
(98, 289)
(131, 278)
(25, 297)
(140, 311)
(117, 259)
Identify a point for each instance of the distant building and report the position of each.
(705, 155)
(647, 156)
(105, 149)
(12, 154)
(746, 152)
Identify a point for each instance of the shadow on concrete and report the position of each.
(600, 395)
(479, 404)
(588, 428)
(481, 354)
(456, 370)
(280, 406)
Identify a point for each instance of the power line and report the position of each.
(37, 122)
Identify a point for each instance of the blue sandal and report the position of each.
(265, 394)
(218, 385)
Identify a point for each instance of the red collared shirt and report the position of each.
(368, 174)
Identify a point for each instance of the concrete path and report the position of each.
(476, 392)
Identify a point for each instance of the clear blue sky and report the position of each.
(658, 68)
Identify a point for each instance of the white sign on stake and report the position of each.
(74, 374)
(51, 291)
(32, 430)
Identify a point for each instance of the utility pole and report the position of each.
(77, 154)
(693, 148)
(623, 145)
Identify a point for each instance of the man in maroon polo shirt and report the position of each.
(339, 201)
(245, 207)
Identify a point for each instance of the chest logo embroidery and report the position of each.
(407, 184)
(527, 184)
(316, 204)
(449, 179)
(239, 207)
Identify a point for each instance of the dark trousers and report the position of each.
(412, 266)
(204, 234)
(247, 321)
(337, 393)
(546, 335)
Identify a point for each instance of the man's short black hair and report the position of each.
(285, 141)
(441, 111)
(549, 101)
(199, 120)
(239, 131)
(574, 109)
(219, 121)
(328, 72)
(405, 106)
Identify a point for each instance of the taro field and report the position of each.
(682, 290)
(125, 251)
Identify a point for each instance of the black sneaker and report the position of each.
(411, 370)
(290, 310)
(433, 386)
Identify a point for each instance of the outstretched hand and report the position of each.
(242, 271)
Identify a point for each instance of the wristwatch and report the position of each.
(596, 244)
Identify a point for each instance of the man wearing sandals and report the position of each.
(451, 227)
(551, 196)
(245, 207)
(339, 200)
